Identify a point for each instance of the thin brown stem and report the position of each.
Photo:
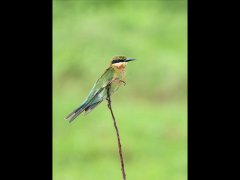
(118, 136)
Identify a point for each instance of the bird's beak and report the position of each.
(129, 59)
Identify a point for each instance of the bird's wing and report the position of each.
(98, 87)
(101, 83)
(91, 107)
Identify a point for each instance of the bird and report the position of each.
(112, 78)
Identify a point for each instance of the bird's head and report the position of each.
(120, 62)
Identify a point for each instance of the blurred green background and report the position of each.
(151, 110)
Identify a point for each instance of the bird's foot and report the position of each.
(123, 82)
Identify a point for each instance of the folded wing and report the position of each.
(96, 95)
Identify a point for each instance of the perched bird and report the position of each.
(112, 78)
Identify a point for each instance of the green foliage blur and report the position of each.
(151, 110)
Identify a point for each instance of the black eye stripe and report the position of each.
(117, 61)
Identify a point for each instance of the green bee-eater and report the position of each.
(112, 78)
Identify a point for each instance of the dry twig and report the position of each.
(118, 136)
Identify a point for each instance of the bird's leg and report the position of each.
(118, 80)
(123, 82)
(109, 86)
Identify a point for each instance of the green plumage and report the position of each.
(112, 78)
(97, 94)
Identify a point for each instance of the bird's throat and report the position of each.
(120, 68)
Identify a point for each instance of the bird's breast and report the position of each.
(119, 75)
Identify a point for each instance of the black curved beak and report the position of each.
(129, 59)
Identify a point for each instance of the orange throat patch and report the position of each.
(119, 67)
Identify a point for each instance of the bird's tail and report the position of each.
(75, 113)
(89, 108)
(87, 105)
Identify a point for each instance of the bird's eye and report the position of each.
(117, 61)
